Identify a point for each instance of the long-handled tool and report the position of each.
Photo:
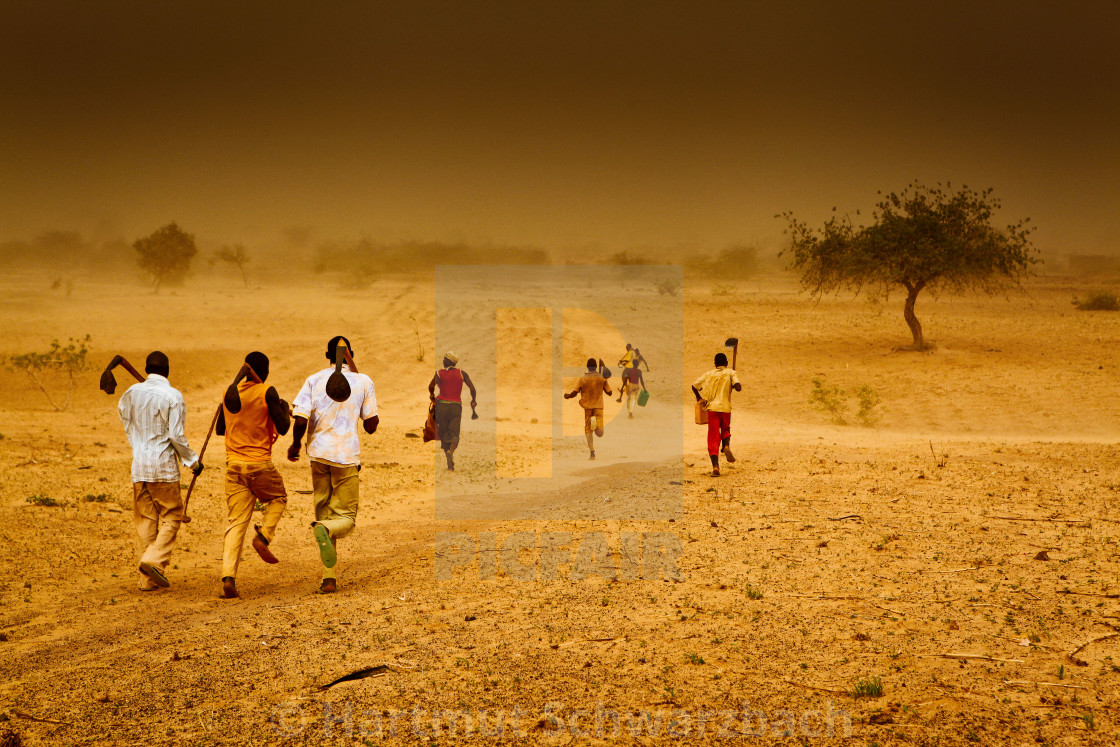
(733, 343)
(108, 381)
(232, 398)
(338, 388)
(201, 452)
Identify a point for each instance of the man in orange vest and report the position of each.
(448, 411)
(250, 474)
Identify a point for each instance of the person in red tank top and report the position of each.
(448, 408)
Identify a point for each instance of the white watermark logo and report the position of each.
(551, 556)
(336, 720)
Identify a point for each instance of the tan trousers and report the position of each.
(247, 483)
(336, 501)
(157, 512)
(632, 397)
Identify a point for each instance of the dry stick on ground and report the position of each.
(983, 657)
(1081, 662)
(958, 570)
(1088, 594)
(29, 717)
(588, 640)
(888, 610)
(1055, 520)
(1047, 684)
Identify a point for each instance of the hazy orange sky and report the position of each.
(616, 124)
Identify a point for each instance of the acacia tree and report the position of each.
(236, 256)
(166, 254)
(924, 237)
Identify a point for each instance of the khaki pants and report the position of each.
(336, 501)
(247, 483)
(157, 512)
(632, 397)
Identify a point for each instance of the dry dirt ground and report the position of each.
(829, 560)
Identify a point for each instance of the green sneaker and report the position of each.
(326, 547)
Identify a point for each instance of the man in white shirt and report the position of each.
(153, 414)
(334, 452)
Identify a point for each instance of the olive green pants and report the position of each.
(335, 491)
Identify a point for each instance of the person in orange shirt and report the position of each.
(590, 389)
(250, 474)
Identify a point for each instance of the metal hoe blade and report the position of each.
(108, 381)
(338, 388)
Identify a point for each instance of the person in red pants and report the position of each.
(714, 390)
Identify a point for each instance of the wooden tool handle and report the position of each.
(201, 452)
(128, 367)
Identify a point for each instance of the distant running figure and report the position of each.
(448, 410)
(632, 356)
(714, 390)
(591, 387)
(250, 475)
(335, 454)
(153, 414)
(634, 383)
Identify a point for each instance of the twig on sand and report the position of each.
(815, 687)
(1047, 684)
(565, 644)
(29, 717)
(1056, 519)
(841, 518)
(958, 570)
(1089, 594)
(982, 657)
(1081, 662)
(893, 612)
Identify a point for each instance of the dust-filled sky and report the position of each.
(554, 124)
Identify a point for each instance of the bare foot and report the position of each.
(329, 586)
(229, 589)
(260, 544)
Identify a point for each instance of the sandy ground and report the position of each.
(828, 556)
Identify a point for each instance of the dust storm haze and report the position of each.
(576, 129)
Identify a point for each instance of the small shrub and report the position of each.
(667, 286)
(1098, 301)
(753, 593)
(99, 498)
(829, 400)
(835, 402)
(70, 360)
(694, 658)
(868, 687)
(43, 500)
(868, 400)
